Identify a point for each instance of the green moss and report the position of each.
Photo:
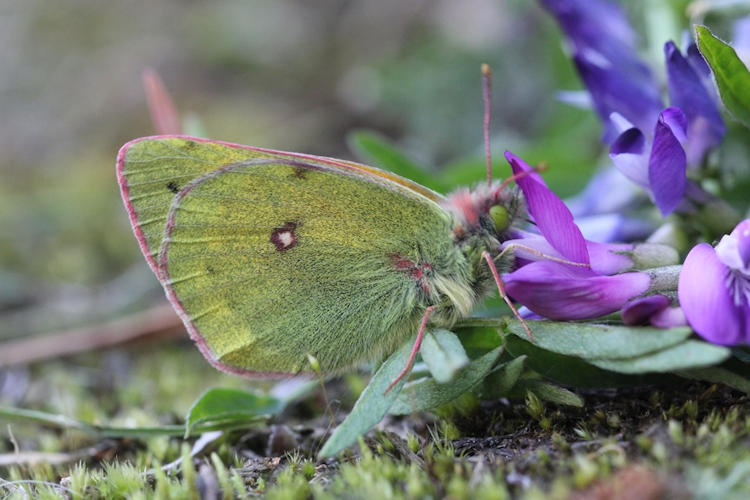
(521, 449)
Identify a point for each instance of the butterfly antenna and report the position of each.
(512, 247)
(520, 175)
(504, 295)
(487, 96)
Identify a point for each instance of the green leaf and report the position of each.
(569, 370)
(687, 355)
(468, 171)
(732, 77)
(719, 375)
(443, 354)
(426, 393)
(372, 404)
(224, 405)
(478, 340)
(375, 149)
(502, 379)
(590, 341)
(742, 353)
(549, 392)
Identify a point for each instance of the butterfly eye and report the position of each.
(500, 217)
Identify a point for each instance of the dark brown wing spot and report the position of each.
(300, 173)
(284, 237)
(172, 186)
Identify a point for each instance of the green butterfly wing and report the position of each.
(152, 170)
(269, 258)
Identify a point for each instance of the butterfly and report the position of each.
(270, 257)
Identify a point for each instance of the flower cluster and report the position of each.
(561, 275)
(650, 144)
(581, 282)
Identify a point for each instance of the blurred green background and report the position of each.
(286, 74)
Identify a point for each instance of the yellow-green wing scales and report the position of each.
(151, 171)
(270, 260)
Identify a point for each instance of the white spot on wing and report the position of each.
(286, 238)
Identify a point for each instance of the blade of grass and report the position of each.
(62, 422)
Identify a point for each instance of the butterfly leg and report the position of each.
(504, 295)
(414, 349)
(534, 251)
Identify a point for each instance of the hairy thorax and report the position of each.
(483, 218)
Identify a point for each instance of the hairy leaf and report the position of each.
(719, 375)
(569, 370)
(590, 341)
(426, 393)
(502, 379)
(372, 404)
(443, 354)
(687, 355)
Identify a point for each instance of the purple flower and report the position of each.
(650, 145)
(655, 310)
(660, 168)
(604, 258)
(599, 210)
(691, 89)
(714, 288)
(603, 49)
(683, 133)
(562, 291)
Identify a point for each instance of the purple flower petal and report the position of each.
(667, 163)
(602, 27)
(639, 311)
(552, 217)
(526, 313)
(605, 193)
(518, 166)
(611, 227)
(706, 300)
(687, 91)
(628, 153)
(742, 234)
(669, 317)
(699, 65)
(733, 250)
(741, 38)
(636, 98)
(597, 24)
(606, 258)
(674, 118)
(562, 292)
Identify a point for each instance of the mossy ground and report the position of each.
(686, 441)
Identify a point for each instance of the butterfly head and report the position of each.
(485, 210)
